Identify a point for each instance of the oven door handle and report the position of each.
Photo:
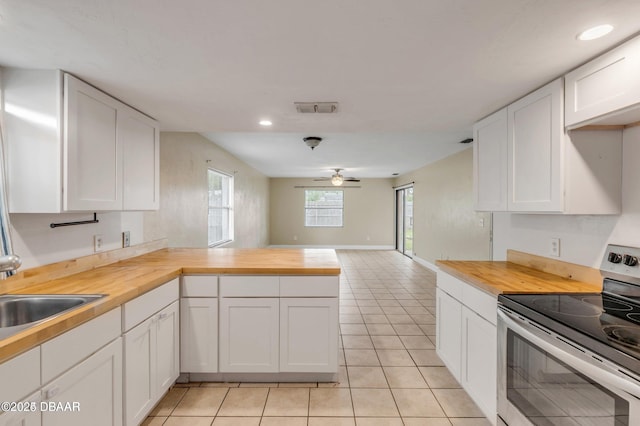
(600, 374)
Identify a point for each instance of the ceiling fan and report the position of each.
(337, 178)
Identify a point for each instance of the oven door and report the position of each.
(545, 380)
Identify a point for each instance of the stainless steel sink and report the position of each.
(18, 312)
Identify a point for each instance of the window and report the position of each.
(323, 208)
(220, 208)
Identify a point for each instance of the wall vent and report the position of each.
(316, 107)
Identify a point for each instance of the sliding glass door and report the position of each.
(404, 220)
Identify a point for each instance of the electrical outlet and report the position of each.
(97, 243)
(295, 238)
(554, 247)
(126, 239)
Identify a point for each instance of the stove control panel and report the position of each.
(621, 261)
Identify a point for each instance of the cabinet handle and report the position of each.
(50, 393)
(162, 316)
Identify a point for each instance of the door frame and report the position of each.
(400, 218)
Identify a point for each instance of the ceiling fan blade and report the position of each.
(322, 180)
(351, 179)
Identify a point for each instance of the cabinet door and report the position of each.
(167, 348)
(93, 157)
(33, 145)
(605, 85)
(24, 418)
(490, 162)
(139, 138)
(479, 353)
(535, 144)
(249, 335)
(448, 331)
(309, 335)
(199, 335)
(95, 384)
(139, 371)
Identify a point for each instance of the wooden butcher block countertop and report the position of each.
(524, 273)
(244, 261)
(127, 279)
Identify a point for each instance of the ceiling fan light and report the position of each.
(337, 179)
(312, 141)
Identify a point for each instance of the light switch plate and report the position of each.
(97, 243)
(554, 247)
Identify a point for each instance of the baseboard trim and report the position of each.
(258, 377)
(426, 264)
(337, 247)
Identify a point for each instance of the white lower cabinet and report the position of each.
(19, 379)
(199, 335)
(167, 347)
(94, 386)
(479, 370)
(151, 357)
(466, 339)
(449, 331)
(308, 334)
(32, 417)
(249, 335)
(139, 349)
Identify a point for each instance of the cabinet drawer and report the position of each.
(141, 308)
(65, 351)
(249, 286)
(199, 286)
(328, 286)
(450, 285)
(20, 376)
(480, 302)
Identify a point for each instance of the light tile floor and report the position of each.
(389, 372)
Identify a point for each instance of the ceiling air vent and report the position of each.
(316, 107)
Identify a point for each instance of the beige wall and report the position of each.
(368, 215)
(445, 224)
(182, 217)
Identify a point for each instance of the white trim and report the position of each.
(259, 377)
(221, 244)
(405, 186)
(426, 264)
(342, 247)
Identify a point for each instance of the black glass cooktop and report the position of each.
(611, 320)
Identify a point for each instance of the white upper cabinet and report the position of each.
(605, 89)
(535, 143)
(490, 162)
(139, 137)
(92, 149)
(524, 161)
(72, 147)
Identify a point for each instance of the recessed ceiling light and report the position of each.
(265, 123)
(595, 32)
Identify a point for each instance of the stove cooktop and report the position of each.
(612, 321)
(607, 323)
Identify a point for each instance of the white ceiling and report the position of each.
(411, 76)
